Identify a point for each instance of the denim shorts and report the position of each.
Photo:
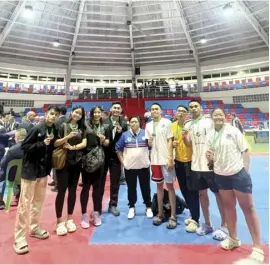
(240, 181)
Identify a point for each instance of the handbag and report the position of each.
(60, 154)
(93, 160)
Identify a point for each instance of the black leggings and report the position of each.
(88, 180)
(67, 178)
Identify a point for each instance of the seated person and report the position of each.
(15, 152)
(3, 141)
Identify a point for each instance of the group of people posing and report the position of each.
(202, 153)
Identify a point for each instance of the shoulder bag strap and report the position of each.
(65, 129)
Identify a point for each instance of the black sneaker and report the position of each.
(114, 211)
(2, 205)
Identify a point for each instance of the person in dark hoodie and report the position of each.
(38, 147)
(117, 125)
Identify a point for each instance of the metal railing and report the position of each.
(144, 93)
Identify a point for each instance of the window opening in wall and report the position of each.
(245, 71)
(80, 80)
(194, 77)
(60, 79)
(255, 70)
(216, 75)
(265, 69)
(73, 80)
(23, 77)
(139, 81)
(32, 77)
(13, 76)
(97, 80)
(130, 81)
(3, 75)
(187, 77)
(206, 76)
(121, 81)
(51, 79)
(106, 81)
(89, 80)
(113, 81)
(225, 74)
(234, 73)
(42, 78)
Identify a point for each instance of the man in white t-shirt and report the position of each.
(159, 134)
(195, 131)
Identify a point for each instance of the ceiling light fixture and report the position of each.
(56, 43)
(28, 11)
(203, 40)
(228, 9)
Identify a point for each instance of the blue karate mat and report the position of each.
(120, 230)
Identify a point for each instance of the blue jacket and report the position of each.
(135, 150)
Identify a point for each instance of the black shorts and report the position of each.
(240, 181)
(204, 180)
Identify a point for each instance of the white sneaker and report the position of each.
(149, 213)
(96, 219)
(85, 221)
(131, 213)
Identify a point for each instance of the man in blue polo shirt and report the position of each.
(133, 153)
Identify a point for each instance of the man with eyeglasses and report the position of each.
(183, 155)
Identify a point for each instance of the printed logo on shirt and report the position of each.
(229, 136)
(198, 134)
(129, 139)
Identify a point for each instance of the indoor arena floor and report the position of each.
(124, 241)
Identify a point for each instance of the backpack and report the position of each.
(180, 205)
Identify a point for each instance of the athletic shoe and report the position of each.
(85, 221)
(131, 213)
(149, 213)
(96, 219)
